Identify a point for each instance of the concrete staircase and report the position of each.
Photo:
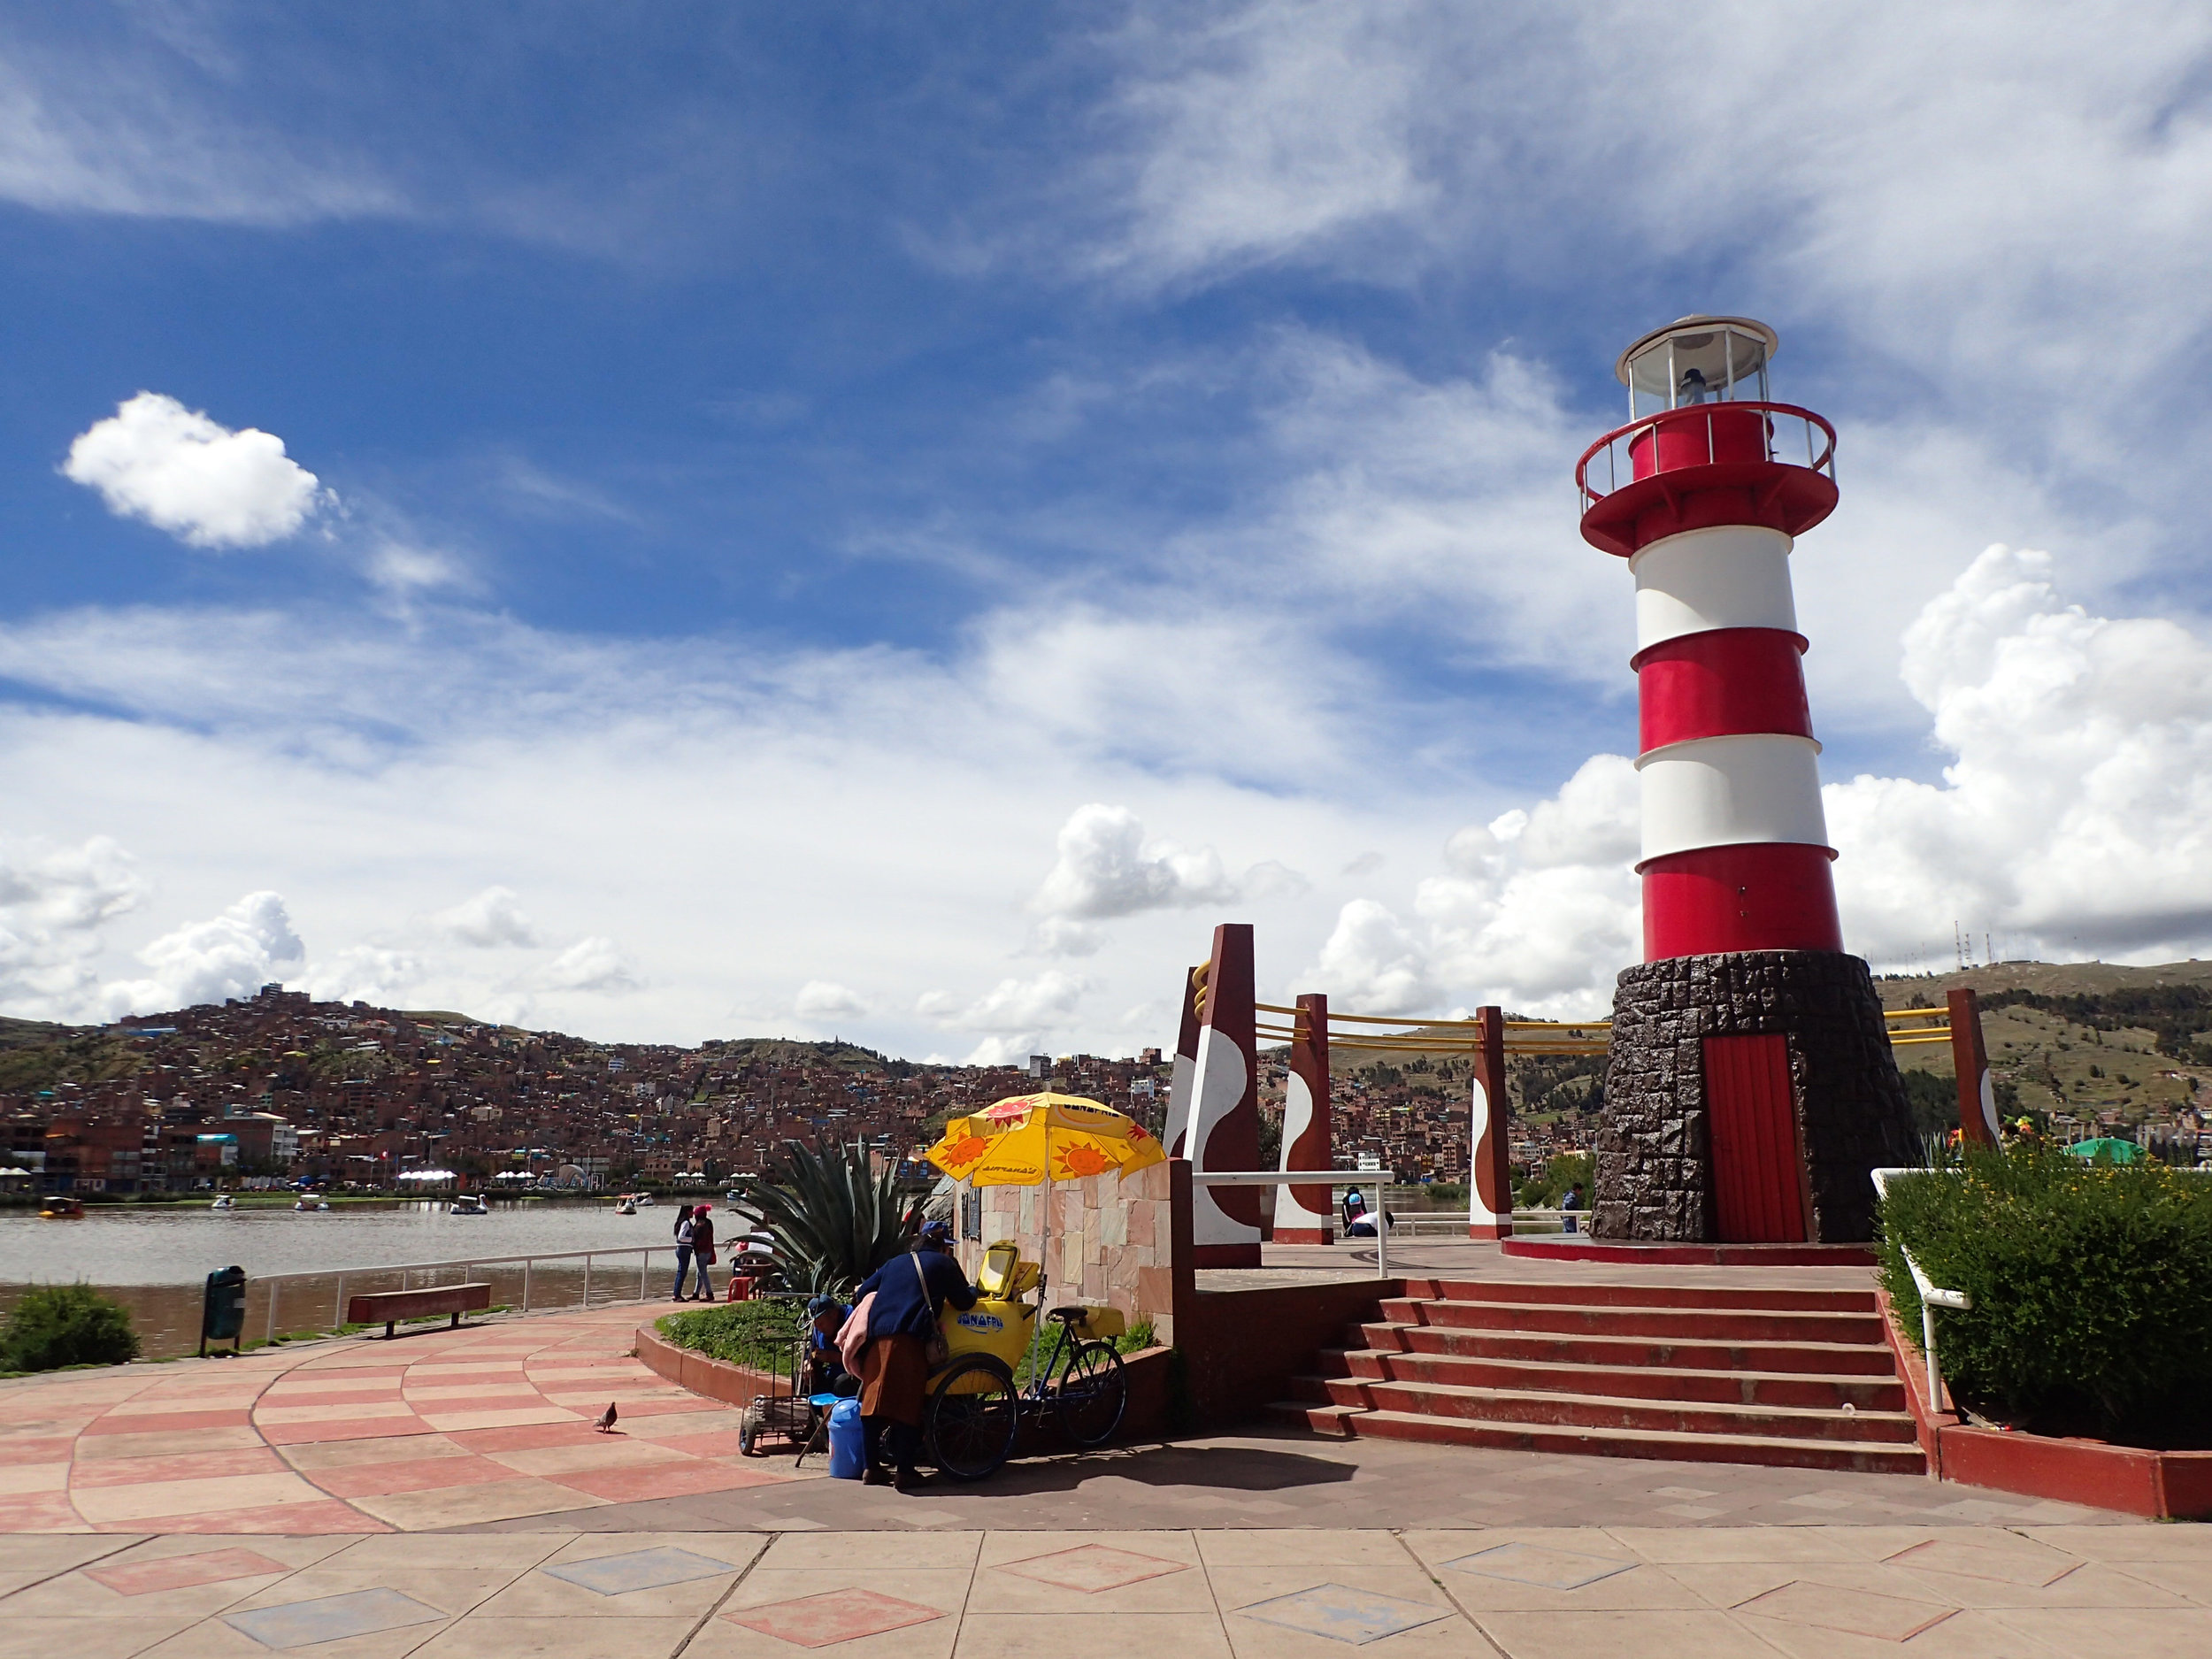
(1693, 1374)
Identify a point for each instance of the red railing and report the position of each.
(1673, 436)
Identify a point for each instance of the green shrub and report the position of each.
(836, 1220)
(56, 1326)
(2092, 1301)
(759, 1334)
(1544, 1191)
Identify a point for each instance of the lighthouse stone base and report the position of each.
(1655, 1178)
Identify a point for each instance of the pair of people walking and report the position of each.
(695, 1249)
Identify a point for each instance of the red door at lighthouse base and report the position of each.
(1757, 1193)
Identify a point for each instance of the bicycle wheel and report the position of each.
(1092, 1394)
(971, 1417)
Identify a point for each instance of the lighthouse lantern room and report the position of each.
(1751, 1086)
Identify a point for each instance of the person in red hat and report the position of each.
(702, 1252)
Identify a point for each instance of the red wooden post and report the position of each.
(1490, 1175)
(1304, 1214)
(1978, 1095)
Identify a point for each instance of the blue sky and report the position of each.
(894, 522)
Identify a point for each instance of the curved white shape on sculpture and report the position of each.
(1179, 1079)
(1216, 1086)
(1726, 791)
(1480, 1214)
(1290, 1208)
(1730, 576)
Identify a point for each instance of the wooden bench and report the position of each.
(389, 1307)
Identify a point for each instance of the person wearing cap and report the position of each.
(910, 1291)
(702, 1252)
(826, 1367)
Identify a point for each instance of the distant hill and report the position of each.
(2083, 1037)
(787, 1051)
(37, 1054)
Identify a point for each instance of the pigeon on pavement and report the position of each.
(605, 1425)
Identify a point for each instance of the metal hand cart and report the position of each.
(790, 1409)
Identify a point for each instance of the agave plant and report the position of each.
(835, 1220)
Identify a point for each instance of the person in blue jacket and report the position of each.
(910, 1291)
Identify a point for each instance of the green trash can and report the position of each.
(223, 1314)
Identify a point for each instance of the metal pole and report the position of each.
(275, 1287)
(587, 1280)
(338, 1314)
(1382, 1233)
(526, 1284)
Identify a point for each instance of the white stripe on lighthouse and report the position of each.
(1730, 576)
(1724, 791)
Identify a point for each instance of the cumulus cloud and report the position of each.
(375, 974)
(2077, 811)
(1017, 1014)
(231, 954)
(821, 999)
(593, 964)
(1373, 963)
(53, 903)
(1106, 868)
(180, 472)
(494, 918)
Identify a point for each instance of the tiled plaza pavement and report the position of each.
(1525, 1592)
(440, 1429)
(490, 1426)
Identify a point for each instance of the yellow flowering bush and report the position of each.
(2091, 1285)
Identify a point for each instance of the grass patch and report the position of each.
(757, 1334)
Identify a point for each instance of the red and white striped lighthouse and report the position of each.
(1704, 492)
(1735, 851)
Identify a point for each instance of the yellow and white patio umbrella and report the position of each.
(1033, 1140)
(1029, 1140)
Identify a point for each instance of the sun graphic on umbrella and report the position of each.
(964, 1152)
(1077, 1162)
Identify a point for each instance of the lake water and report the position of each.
(155, 1261)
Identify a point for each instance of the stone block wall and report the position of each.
(1654, 1159)
(1112, 1241)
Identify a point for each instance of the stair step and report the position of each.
(1863, 1456)
(1677, 1384)
(1743, 1297)
(1335, 1421)
(1568, 1349)
(1614, 1411)
(1682, 1324)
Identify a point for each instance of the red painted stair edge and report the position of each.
(2164, 1485)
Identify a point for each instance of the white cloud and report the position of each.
(822, 999)
(374, 974)
(1372, 963)
(115, 136)
(1106, 868)
(494, 918)
(231, 954)
(54, 902)
(912, 800)
(2076, 814)
(595, 965)
(180, 472)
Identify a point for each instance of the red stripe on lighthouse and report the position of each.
(1759, 895)
(1719, 683)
